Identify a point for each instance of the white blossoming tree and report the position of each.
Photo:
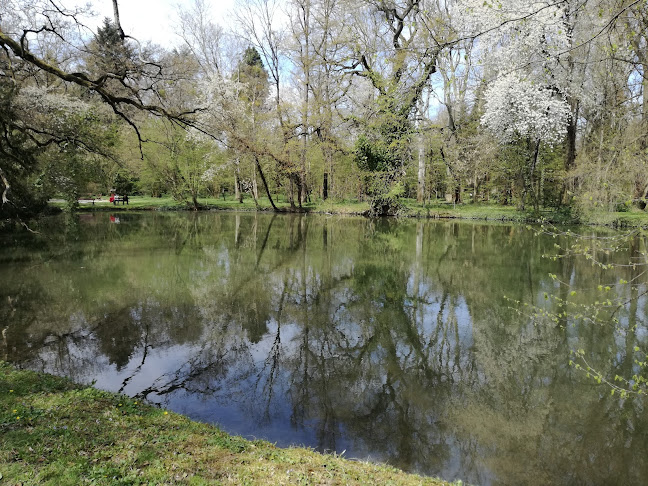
(516, 109)
(53, 143)
(520, 45)
(519, 111)
(232, 117)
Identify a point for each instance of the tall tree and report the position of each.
(302, 33)
(263, 27)
(204, 37)
(235, 114)
(409, 36)
(527, 101)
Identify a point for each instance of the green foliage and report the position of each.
(55, 432)
(66, 175)
(252, 58)
(18, 160)
(388, 202)
(178, 164)
(385, 144)
(124, 182)
(50, 148)
(611, 306)
(375, 132)
(381, 153)
(374, 155)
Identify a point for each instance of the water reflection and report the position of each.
(390, 340)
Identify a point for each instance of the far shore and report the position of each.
(632, 218)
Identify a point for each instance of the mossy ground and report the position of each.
(55, 432)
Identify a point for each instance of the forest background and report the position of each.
(537, 104)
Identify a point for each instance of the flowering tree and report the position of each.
(61, 88)
(520, 44)
(231, 117)
(516, 109)
(50, 145)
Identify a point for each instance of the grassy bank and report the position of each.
(227, 203)
(55, 432)
(434, 210)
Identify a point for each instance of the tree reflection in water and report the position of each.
(390, 340)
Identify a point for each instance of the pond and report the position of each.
(393, 341)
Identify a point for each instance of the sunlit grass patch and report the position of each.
(69, 434)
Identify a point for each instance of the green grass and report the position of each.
(466, 211)
(54, 432)
(337, 207)
(227, 203)
(435, 210)
(634, 218)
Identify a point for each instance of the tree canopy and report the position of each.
(380, 99)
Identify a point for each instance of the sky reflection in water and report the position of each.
(390, 340)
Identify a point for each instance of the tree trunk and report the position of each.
(265, 184)
(455, 195)
(306, 67)
(300, 189)
(644, 113)
(255, 187)
(530, 179)
(291, 193)
(238, 194)
(117, 21)
(255, 199)
(570, 152)
(420, 189)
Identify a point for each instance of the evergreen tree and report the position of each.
(110, 53)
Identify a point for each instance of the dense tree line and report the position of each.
(525, 102)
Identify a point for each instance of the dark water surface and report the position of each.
(396, 341)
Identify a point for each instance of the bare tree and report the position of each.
(202, 36)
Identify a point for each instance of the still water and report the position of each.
(393, 341)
